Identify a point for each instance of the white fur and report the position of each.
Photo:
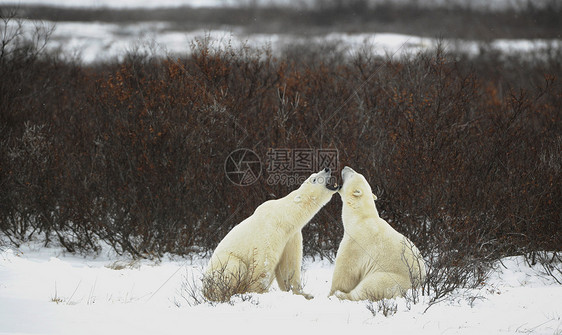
(373, 261)
(268, 244)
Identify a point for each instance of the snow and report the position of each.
(45, 291)
(92, 42)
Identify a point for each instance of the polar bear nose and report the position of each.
(327, 170)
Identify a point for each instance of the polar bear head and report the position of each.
(317, 189)
(356, 193)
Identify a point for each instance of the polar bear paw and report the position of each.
(307, 296)
(341, 295)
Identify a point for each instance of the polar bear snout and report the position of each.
(346, 173)
(332, 185)
(325, 177)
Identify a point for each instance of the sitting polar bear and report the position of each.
(373, 261)
(268, 244)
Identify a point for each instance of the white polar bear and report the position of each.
(268, 244)
(373, 261)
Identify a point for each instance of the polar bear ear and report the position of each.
(357, 193)
(374, 197)
(297, 199)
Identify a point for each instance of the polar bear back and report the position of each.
(250, 234)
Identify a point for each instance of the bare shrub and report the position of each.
(417, 272)
(132, 152)
(221, 287)
(449, 272)
(551, 263)
(223, 283)
(387, 307)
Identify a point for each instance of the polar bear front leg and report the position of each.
(347, 271)
(343, 280)
(288, 270)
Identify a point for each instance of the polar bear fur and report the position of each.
(268, 244)
(373, 261)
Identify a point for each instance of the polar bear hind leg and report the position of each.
(377, 286)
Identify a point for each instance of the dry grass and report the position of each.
(221, 287)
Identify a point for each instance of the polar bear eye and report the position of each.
(313, 180)
(357, 193)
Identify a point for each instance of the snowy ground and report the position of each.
(44, 291)
(91, 42)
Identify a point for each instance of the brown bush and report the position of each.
(133, 153)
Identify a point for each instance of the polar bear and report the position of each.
(373, 261)
(268, 244)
